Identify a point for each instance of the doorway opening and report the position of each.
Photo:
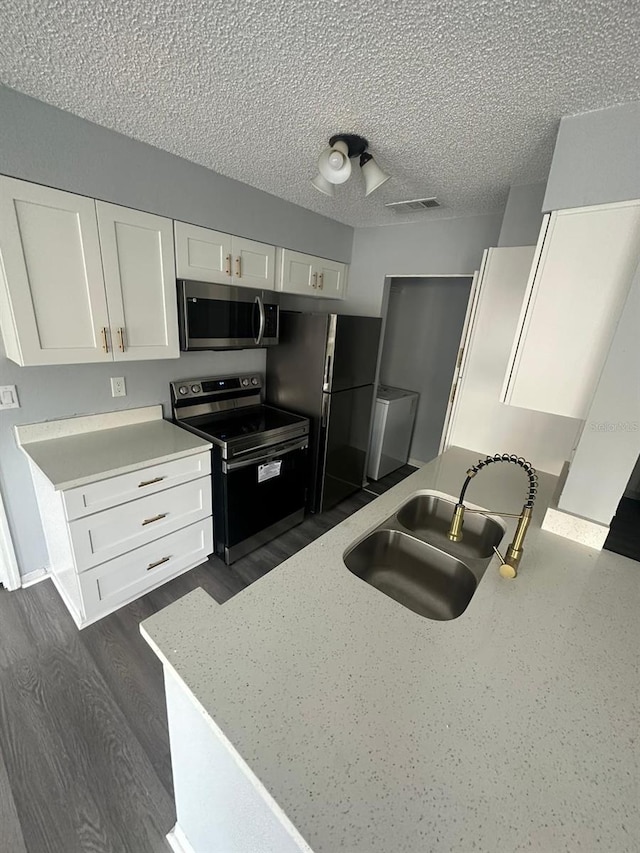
(425, 320)
(624, 530)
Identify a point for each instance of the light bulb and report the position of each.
(336, 159)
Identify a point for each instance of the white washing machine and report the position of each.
(393, 422)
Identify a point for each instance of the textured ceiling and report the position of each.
(458, 98)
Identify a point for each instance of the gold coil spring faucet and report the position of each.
(510, 563)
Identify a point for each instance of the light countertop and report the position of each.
(77, 451)
(514, 727)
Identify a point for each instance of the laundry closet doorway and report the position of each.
(425, 320)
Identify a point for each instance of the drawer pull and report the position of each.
(158, 563)
(150, 482)
(155, 518)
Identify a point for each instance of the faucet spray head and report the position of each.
(455, 531)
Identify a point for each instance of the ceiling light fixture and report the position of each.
(334, 164)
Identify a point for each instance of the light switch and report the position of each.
(9, 397)
(118, 386)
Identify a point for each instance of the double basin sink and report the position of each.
(410, 558)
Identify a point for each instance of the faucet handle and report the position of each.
(506, 569)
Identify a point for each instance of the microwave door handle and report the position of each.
(263, 320)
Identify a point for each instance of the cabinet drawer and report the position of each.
(118, 581)
(104, 494)
(100, 537)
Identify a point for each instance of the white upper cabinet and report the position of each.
(138, 262)
(206, 255)
(582, 269)
(53, 307)
(254, 264)
(310, 276)
(83, 281)
(202, 254)
(332, 278)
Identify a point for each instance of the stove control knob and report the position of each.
(183, 389)
(196, 389)
(254, 380)
(245, 382)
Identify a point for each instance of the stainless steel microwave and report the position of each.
(218, 316)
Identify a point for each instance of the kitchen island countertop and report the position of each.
(513, 727)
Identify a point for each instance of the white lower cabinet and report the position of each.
(100, 537)
(310, 276)
(110, 585)
(111, 541)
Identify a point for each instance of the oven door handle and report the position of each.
(267, 456)
(263, 320)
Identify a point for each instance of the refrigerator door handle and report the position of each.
(327, 374)
(326, 405)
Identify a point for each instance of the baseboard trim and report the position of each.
(34, 577)
(573, 527)
(178, 841)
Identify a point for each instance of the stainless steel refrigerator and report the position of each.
(324, 368)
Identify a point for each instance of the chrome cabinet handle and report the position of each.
(155, 518)
(105, 340)
(228, 266)
(150, 482)
(238, 267)
(121, 339)
(158, 563)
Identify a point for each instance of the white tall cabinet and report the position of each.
(479, 420)
(581, 272)
(83, 281)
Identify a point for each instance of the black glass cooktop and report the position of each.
(258, 419)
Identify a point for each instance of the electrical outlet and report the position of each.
(9, 397)
(118, 387)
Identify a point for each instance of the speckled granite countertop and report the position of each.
(76, 451)
(514, 727)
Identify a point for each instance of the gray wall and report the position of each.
(596, 158)
(422, 335)
(46, 145)
(610, 443)
(522, 216)
(435, 247)
(49, 146)
(47, 393)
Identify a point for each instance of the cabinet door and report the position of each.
(297, 273)
(584, 263)
(137, 255)
(331, 278)
(203, 254)
(253, 264)
(53, 308)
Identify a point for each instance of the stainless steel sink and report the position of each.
(417, 575)
(410, 558)
(429, 517)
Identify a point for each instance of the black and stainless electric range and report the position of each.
(259, 459)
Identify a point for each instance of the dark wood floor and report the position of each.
(84, 751)
(624, 531)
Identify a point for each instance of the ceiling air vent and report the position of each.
(413, 204)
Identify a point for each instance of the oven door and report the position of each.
(262, 496)
(217, 316)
